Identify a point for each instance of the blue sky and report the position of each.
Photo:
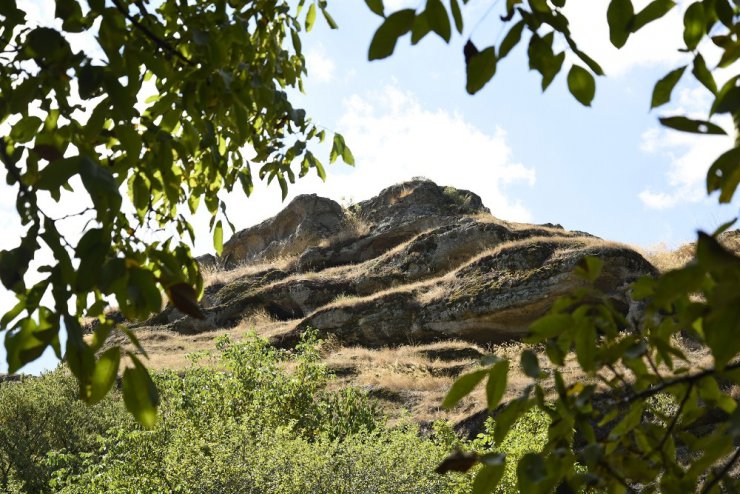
(609, 169)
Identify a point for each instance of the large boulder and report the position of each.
(418, 263)
(305, 222)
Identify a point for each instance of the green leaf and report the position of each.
(508, 416)
(462, 387)
(703, 75)
(339, 148)
(653, 11)
(585, 340)
(347, 156)
(142, 297)
(480, 69)
(589, 268)
(329, 19)
(694, 126)
(620, 15)
(531, 471)
(724, 175)
(91, 250)
(24, 344)
(45, 42)
(58, 173)
(511, 39)
(581, 85)
(106, 370)
(496, 385)
(310, 17)
(25, 129)
(694, 22)
(218, 238)
(438, 19)
(530, 364)
(420, 28)
(543, 59)
(664, 87)
(729, 56)
(71, 14)
(395, 25)
(457, 15)
(101, 186)
(140, 394)
(489, 476)
(551, 326)
(728, 98)
(79, 356)
(14, 264)
(376, 6)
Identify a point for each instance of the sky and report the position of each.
(610, 169)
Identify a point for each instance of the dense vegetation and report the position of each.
(217, 65)
(255, 420)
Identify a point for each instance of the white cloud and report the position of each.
(394, 139)
(655, 44)
(320, 66)
(689, 155)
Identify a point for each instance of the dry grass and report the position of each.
(356, 227)
(216, 275)
(665, 259)
(412, 378)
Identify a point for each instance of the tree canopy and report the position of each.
(74, 121)
(158, 109)
(645, 418)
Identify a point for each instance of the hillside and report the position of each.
(406, 289)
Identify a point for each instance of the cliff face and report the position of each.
(418, 263)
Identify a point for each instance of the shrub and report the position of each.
(41, 416)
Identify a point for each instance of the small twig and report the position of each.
(72, 215)
(153, 37)
(721, 474)
(689, 378)
(618, 376)
(653, 366)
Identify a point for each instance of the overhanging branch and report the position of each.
(162, 44)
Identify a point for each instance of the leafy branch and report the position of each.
(162, 44)
(685, 379)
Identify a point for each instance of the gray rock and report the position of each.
(428, 263)
(304, 223)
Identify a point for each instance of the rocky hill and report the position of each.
(420, 275)
(418, 263)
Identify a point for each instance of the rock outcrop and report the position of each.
(305, 222)
(416, 264)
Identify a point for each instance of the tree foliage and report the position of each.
(157, 107)
(606, 431)
(272, 423)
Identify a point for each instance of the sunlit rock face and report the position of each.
(417, 263)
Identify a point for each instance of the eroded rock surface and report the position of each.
(416, 264)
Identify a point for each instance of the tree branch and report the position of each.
(689, 378)
(162, 44)
(721, 474)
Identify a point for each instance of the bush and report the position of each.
(264, 422)
(42, 416)
(267, 424)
